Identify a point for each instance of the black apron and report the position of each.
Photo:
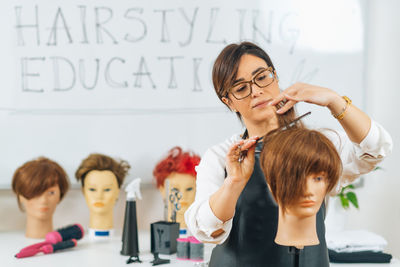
(251, 240)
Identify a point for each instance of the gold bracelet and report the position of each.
(340, 116)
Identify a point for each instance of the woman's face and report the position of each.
(101, 191)
(42, 207)
(310, 203)
(253, 108)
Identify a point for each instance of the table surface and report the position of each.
(102, 253)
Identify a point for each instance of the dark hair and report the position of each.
(102, 162)
(226, 67)
(289, 156)
(34, 177)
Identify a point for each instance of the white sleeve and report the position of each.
(199, 217)
(358, 159)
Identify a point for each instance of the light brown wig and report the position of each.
(34, 177)
(289, 156)
(102, 162)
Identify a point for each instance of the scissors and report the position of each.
(174, 198)
(243, 153)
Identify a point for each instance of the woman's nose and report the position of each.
(256, 91)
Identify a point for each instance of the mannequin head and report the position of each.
(176, 174)
(292, 158)
(101, 178)
(40, 185)
(301, 166)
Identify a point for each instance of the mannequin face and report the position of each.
(186, 185)
(42, 207)
(312, 200)
(101, 191)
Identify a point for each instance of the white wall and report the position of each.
(44, 103)
(380, 198)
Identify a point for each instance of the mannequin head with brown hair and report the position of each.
(176, 173)
(300, 166)
(39, 184)
(101, 178)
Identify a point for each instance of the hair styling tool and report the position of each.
(46, 248)
(130, 243)
(243, 153)
(183, 249)
(196, 249)
(72, 231)
(75, 232)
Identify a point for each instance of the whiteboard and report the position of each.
(131, 79)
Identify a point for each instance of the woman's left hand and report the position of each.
(302, 92)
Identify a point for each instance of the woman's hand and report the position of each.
(240, 160)
(302, 92)
(355, 122)
(223, 201)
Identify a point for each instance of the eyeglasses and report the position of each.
(262, 79)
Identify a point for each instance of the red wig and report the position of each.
(176, 161)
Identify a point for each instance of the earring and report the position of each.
(276, 76)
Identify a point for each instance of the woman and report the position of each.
(233, 206)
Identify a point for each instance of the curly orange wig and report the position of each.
(176, 161)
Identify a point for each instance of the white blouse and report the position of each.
(357, 159)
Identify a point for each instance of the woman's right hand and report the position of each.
(240, 160)
(223, 201)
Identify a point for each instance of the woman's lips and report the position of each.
(262, 104)
(98, 204)
(44, 209)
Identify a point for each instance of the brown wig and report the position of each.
(289, 156)
(34, 177)
(226, 67)
(100, 162)
(176, 161)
